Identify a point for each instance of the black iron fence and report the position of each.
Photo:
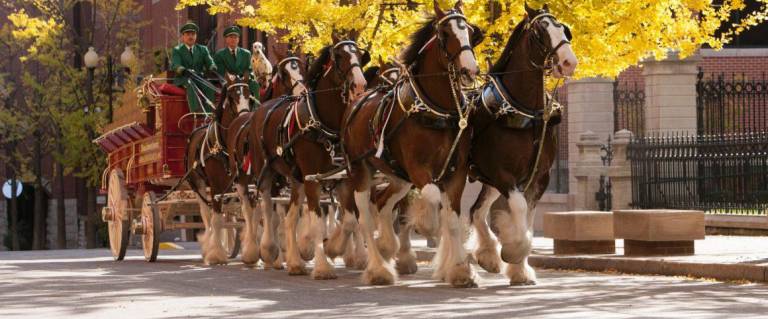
(731, 104)
(718, 173)
(628, 108)
(558, 178)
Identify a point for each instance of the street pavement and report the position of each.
(87, 284)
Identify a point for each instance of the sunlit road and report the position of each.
(80, 283)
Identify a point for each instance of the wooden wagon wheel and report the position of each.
(151, 226)
(230, 239)
(117, 214)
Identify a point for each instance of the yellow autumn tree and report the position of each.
(609, 35)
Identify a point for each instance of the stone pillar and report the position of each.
(70, 220)
(590, 108)
(620, 171)
(670, 94)
(587, 170)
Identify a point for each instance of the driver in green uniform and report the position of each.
(190, 61)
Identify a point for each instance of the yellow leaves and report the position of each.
(609, 35)
(36, 30)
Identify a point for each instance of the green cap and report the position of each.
(233, 29)
(189, 26)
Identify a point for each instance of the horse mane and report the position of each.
(318, 66)
(370, 73)
(418, 40)
(517, 34)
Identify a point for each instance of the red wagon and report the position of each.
(145, 147)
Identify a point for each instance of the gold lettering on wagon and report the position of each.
(149, 152)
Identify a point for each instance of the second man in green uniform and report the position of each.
(236, 61)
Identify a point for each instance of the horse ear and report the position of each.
(230, 77)
(335, 37)
(354, 34)
(365, 57)
(477, 35)
(438, 12)
(381, 61)
(458, 6)
(545, 8)
(529, 10)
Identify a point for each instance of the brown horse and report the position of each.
(383, 75)
(514, 142)
(415, 134)
(296, 139)
(287, 80)
(207, 164)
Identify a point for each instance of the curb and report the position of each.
(722, 272)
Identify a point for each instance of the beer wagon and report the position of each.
(145, 146)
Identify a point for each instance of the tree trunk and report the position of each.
(38, 224)
(61, 221)
(92, 221)
(14, 214)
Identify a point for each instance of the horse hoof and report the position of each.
(488, 260)
(406, 264)
(275, 265)
(269, 253)
(461, 276)
(215, 257)
(326, 274)
(521, 275)
(379, 276)
(250, 255)
(215, 261)
(297, 270)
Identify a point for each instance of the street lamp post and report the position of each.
(91, 60)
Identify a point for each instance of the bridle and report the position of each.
(384, 75)
(239, 86)
(550, 53)
(442, 41)
(343, 74)
(280, 69)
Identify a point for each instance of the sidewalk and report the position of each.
(717, 257)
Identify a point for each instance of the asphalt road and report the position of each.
(86, 283)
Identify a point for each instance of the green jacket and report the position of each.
(226, 63)
(239, 65)
(200, 61)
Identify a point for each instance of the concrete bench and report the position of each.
(659, 232)
(580, 232)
